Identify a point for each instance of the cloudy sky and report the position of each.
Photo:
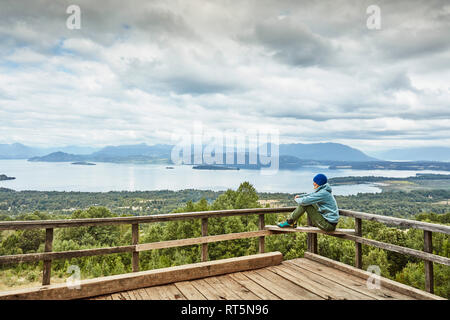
(138, 70)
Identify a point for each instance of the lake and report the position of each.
(103, 177)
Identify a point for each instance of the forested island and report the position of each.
(424, 205)
(5, 177)
(83, 163)
(213, 167)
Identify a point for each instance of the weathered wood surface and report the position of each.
(135, 241)
(68, 223)
(296, 279)
(201, 240)
(144, 279)
(29, 257)
(47, 265)
(204, 234)
(311, 238)
(396, 286)
(308, 230)
(262, 239)
(429, 275)
(395, 248)
(348, 234)
(358, 246)
(398, 222)
(346, 280)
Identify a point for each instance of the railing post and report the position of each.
(135, 241)
(358, 246)
(47, 263)
(428, 247)
(261, 225)
(204, 245)
(311, 239)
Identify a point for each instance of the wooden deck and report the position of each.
(297, 279)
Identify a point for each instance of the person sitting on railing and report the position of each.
(320, 206)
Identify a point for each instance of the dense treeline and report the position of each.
(14, 203)
(398, 267)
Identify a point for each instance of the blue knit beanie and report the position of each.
(320, 179)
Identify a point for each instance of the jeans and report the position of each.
(316, 218)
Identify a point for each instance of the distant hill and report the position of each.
(416, 154)
(324, 151)
(157, 151)
(59, 157)
(16, 151)
(20, 151)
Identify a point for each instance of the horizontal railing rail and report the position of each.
(49, 225)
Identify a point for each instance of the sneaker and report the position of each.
(286, 224)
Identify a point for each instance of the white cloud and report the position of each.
(313, 70)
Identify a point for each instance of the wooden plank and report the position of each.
(374, 243)
(311, 239)
(125, 295)
(30, 257)
(135, 241)
(224, 291)
(429, 276)
(204, 234)
(346, 280)
(321, 286)
(277, 230)
(170, 292)
(358, 246)
(189, 291)
(144, 295)
(200, 240)
(70, 223)
(205, 289)
(241, 291)
(283, 288)
(132, 295)
(396, 286)
(152, 293)
(341, 281)
(141, 279)
(398, 222)
(47, 263)
(117, 296)
(253, 286)
(262, 239)
(136, 294)
(395, 248)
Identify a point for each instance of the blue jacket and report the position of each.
(325, 201)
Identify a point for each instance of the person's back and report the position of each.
(325, 201)
(320, 206)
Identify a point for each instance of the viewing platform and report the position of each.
(264, 276)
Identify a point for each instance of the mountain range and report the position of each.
(292, 154)
(161, 153)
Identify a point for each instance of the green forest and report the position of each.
(431, 206)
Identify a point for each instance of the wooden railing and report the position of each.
(49, 225)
